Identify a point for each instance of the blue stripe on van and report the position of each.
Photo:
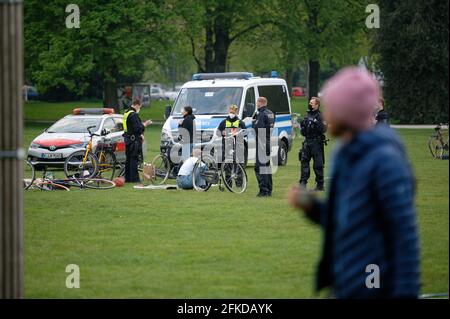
(212, 123)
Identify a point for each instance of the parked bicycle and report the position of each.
(208, 172)
(86, 164)
(438, 142)
(163, 168)
(296, 119)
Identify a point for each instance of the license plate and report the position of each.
(52, 155)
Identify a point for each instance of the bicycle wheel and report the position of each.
(205, 174)
(161, 170)
(76, 167)
(29, 174)
(106, 164)
(436, 148)
(98, 183)
(234, 177)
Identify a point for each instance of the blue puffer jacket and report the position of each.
(369, 218)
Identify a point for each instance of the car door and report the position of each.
(247, 113)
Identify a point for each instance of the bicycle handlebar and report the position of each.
(89, 130)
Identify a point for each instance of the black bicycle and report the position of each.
(229, 172)
(162, 168)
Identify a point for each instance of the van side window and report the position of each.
(277, 98)
(249, 106)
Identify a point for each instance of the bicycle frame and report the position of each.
(88, 150)
(101, 157)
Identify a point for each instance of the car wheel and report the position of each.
(282, 154)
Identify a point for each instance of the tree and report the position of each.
(214, 25)
(412, 50)
(323, 31)
(113, 41)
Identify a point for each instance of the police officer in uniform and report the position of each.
(133, 135)
(313, 129)
(382, 116)
(263, 122)
(232, 126)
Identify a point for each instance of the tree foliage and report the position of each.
(135, 40)
(212, 26)
(412, 50)
(113, 41)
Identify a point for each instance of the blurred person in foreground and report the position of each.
(368, 216)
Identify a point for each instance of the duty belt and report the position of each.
(314, 138)
(132, 137)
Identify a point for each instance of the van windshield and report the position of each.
(208, 101)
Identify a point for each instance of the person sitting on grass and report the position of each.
(185, 175)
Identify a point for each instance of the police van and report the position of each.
(210, 96)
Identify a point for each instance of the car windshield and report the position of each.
(204, 101)
(75, 125)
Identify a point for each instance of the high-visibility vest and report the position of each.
(229, 124)
(125, 118)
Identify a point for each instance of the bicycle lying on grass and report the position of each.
(438, 142)
(49, 183)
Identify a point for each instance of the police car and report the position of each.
(211, 94)
(69, 134)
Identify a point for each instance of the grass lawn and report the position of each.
(46, 111)
(184, 244)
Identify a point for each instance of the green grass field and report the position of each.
(184, 244)
(46, 111)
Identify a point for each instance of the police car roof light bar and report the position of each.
(226, 75)
(92, 111)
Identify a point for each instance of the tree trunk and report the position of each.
(11, 152)
(313, 78)
(110, 98)
(288, 76)
(221, 47)
(209, 42)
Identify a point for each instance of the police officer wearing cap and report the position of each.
(133, 134)
(313, 129)
(263, 122)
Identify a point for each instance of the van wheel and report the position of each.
(282, 154)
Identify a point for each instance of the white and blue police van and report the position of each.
(210, 96)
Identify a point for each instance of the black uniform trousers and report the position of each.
(133, 152)
(312, 148)
(263, 173)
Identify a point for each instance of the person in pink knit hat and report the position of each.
(351, 99)
(371, 245)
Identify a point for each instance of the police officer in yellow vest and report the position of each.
(232, 125)
(133, 134)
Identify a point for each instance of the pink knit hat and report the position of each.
(352, 97)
